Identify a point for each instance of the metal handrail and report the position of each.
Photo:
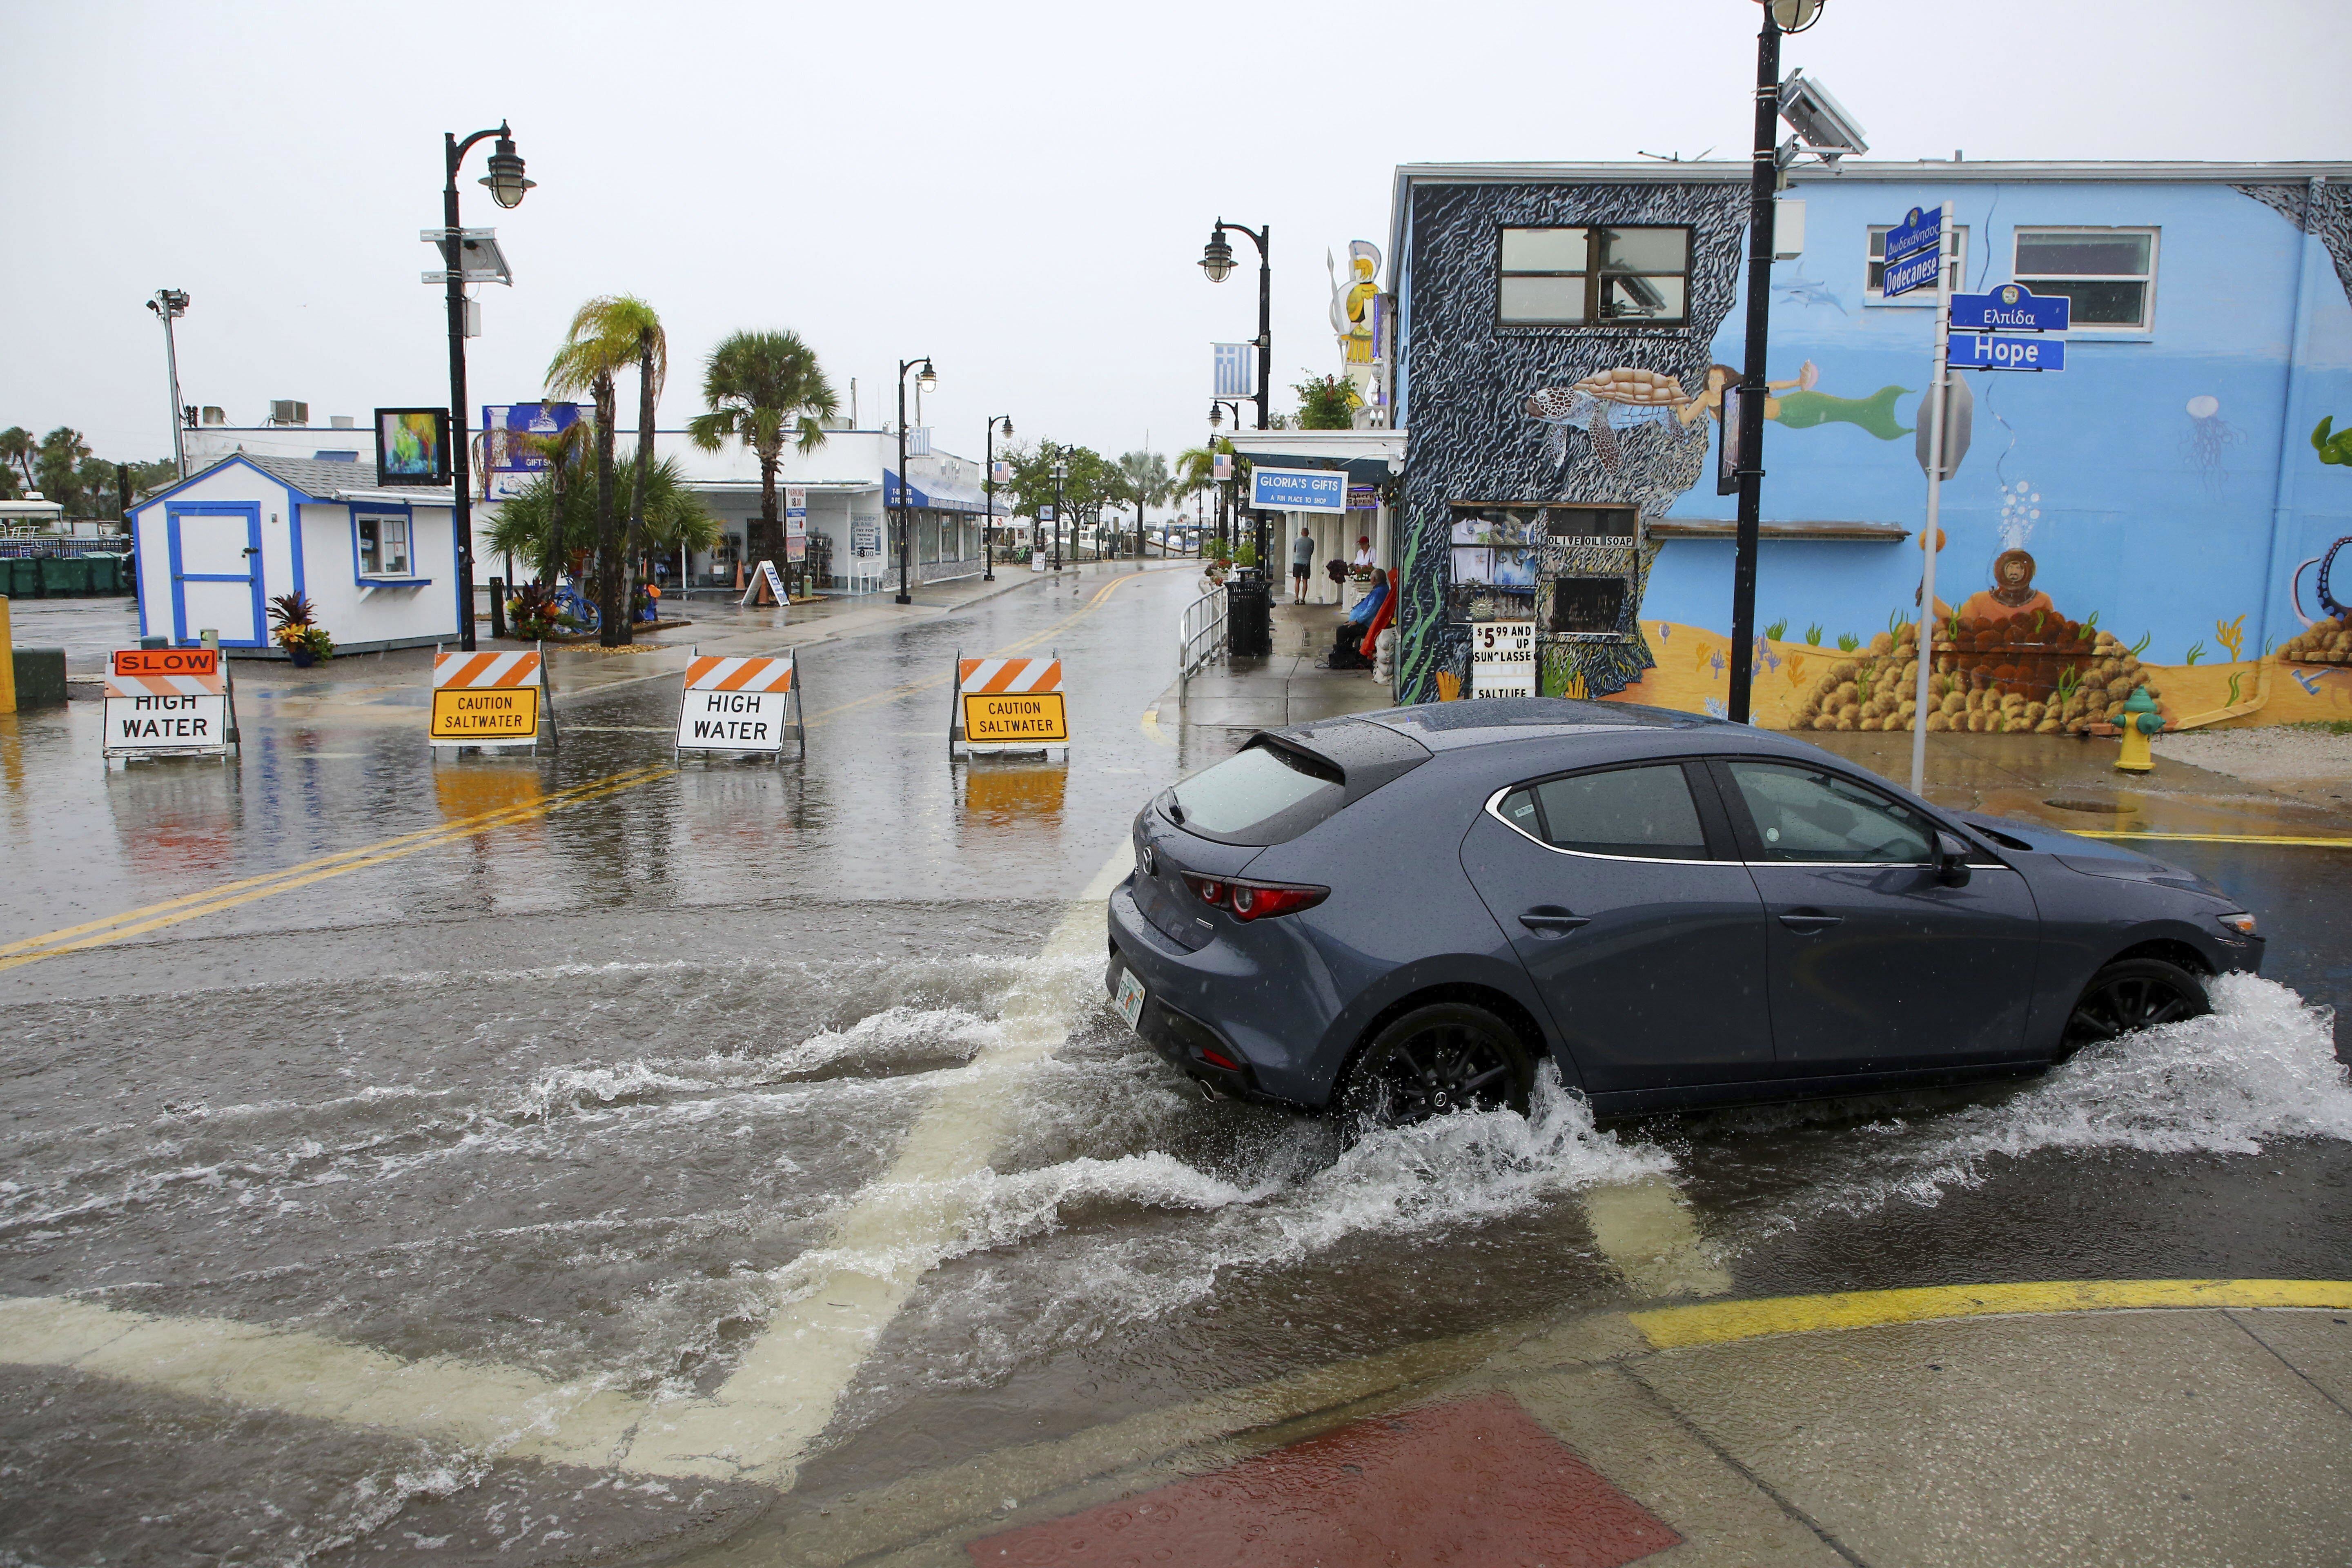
(1201, 634)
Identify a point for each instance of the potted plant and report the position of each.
(293, 626)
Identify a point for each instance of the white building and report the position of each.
(380, 564)
(851, 483)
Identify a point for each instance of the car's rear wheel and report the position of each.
(1435, 1060)
(2128, 995)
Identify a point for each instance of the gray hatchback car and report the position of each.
(1402, 913)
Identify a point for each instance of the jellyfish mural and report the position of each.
(2209, 436)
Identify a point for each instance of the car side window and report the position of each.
(1645, 812)
(1812, 814)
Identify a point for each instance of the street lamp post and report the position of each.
(168, 305)
(1217, 261)
(507, 187)
(1763, 187)
(1061, 472)
(988, 528)
(928, 380)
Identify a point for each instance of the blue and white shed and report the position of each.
(379, 563)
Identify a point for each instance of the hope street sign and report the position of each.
(1916, 270)
(1919, 231)
(2013, 308)
(1298, 489)
(1991, 351)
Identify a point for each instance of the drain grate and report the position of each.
(2103, 808)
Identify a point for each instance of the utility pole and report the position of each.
(169, 304)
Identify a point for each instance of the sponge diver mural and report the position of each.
(2158, 518)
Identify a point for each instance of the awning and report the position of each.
(940, 497)
(1365, 453)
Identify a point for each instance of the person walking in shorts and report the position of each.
(1302, 563)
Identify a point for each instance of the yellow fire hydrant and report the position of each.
(2138, 720)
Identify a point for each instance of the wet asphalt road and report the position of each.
(581, 1097)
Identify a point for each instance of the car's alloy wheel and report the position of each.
(1436, 1060)
(2133, 993)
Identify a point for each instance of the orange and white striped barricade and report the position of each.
(491, 701)
(742, 704)
(1008, 705)
(168, 702)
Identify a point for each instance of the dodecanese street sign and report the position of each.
(1990, 351)
(2013, 308)
(1916, 270)
(1298, 489)
(1919, 231)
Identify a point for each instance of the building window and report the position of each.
(1871, 287)
(383, 546)
(1595, 277)
(2110, 273)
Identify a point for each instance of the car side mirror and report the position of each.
(1951, 860)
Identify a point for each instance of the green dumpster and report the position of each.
(63, 577)
(105, 574)
(24, 577)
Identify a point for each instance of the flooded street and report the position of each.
(595, 1157)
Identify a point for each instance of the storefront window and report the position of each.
(383, 546)
(1594, 276)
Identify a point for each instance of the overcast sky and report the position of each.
(1020, 190)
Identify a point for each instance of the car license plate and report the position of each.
(1130, 998)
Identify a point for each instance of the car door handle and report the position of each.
(1550, 920)
(1805, 922)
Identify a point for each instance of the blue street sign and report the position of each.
(2013, 308)
(1991, 351)
(1914, 271)
(1918, 231)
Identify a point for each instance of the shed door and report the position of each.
(216, 573)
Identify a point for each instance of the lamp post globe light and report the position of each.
(1217, 261)
(508, 186)
(929, 381)
(169, 304)
(988, 472)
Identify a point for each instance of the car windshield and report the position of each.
(1261, 795)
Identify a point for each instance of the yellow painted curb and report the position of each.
(1721, 1322)
(2220, 838)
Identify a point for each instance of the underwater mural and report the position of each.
(2171, 514)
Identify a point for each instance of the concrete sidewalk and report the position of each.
(2125, 1422)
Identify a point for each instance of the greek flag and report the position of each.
(1236, 370)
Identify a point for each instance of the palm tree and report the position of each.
(534, 521)
(764, 388)
(652, 368)
(18, 447)
(563, 451)
(1143, 479)
(1196, 470)
(607, 337)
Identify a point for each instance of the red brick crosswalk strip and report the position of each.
(1471, 1481)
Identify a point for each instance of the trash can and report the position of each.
(1249, 616)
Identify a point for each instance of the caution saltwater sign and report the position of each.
(1008, 704)
(488, 699)
(1016, 718)
(503, 713)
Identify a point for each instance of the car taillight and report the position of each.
(1254, 901)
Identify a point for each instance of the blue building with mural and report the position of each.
(2161, 513)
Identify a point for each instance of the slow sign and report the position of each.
(166, 701)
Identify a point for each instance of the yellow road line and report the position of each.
(245, 890)
(2218, 839)
(1721, 1322)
